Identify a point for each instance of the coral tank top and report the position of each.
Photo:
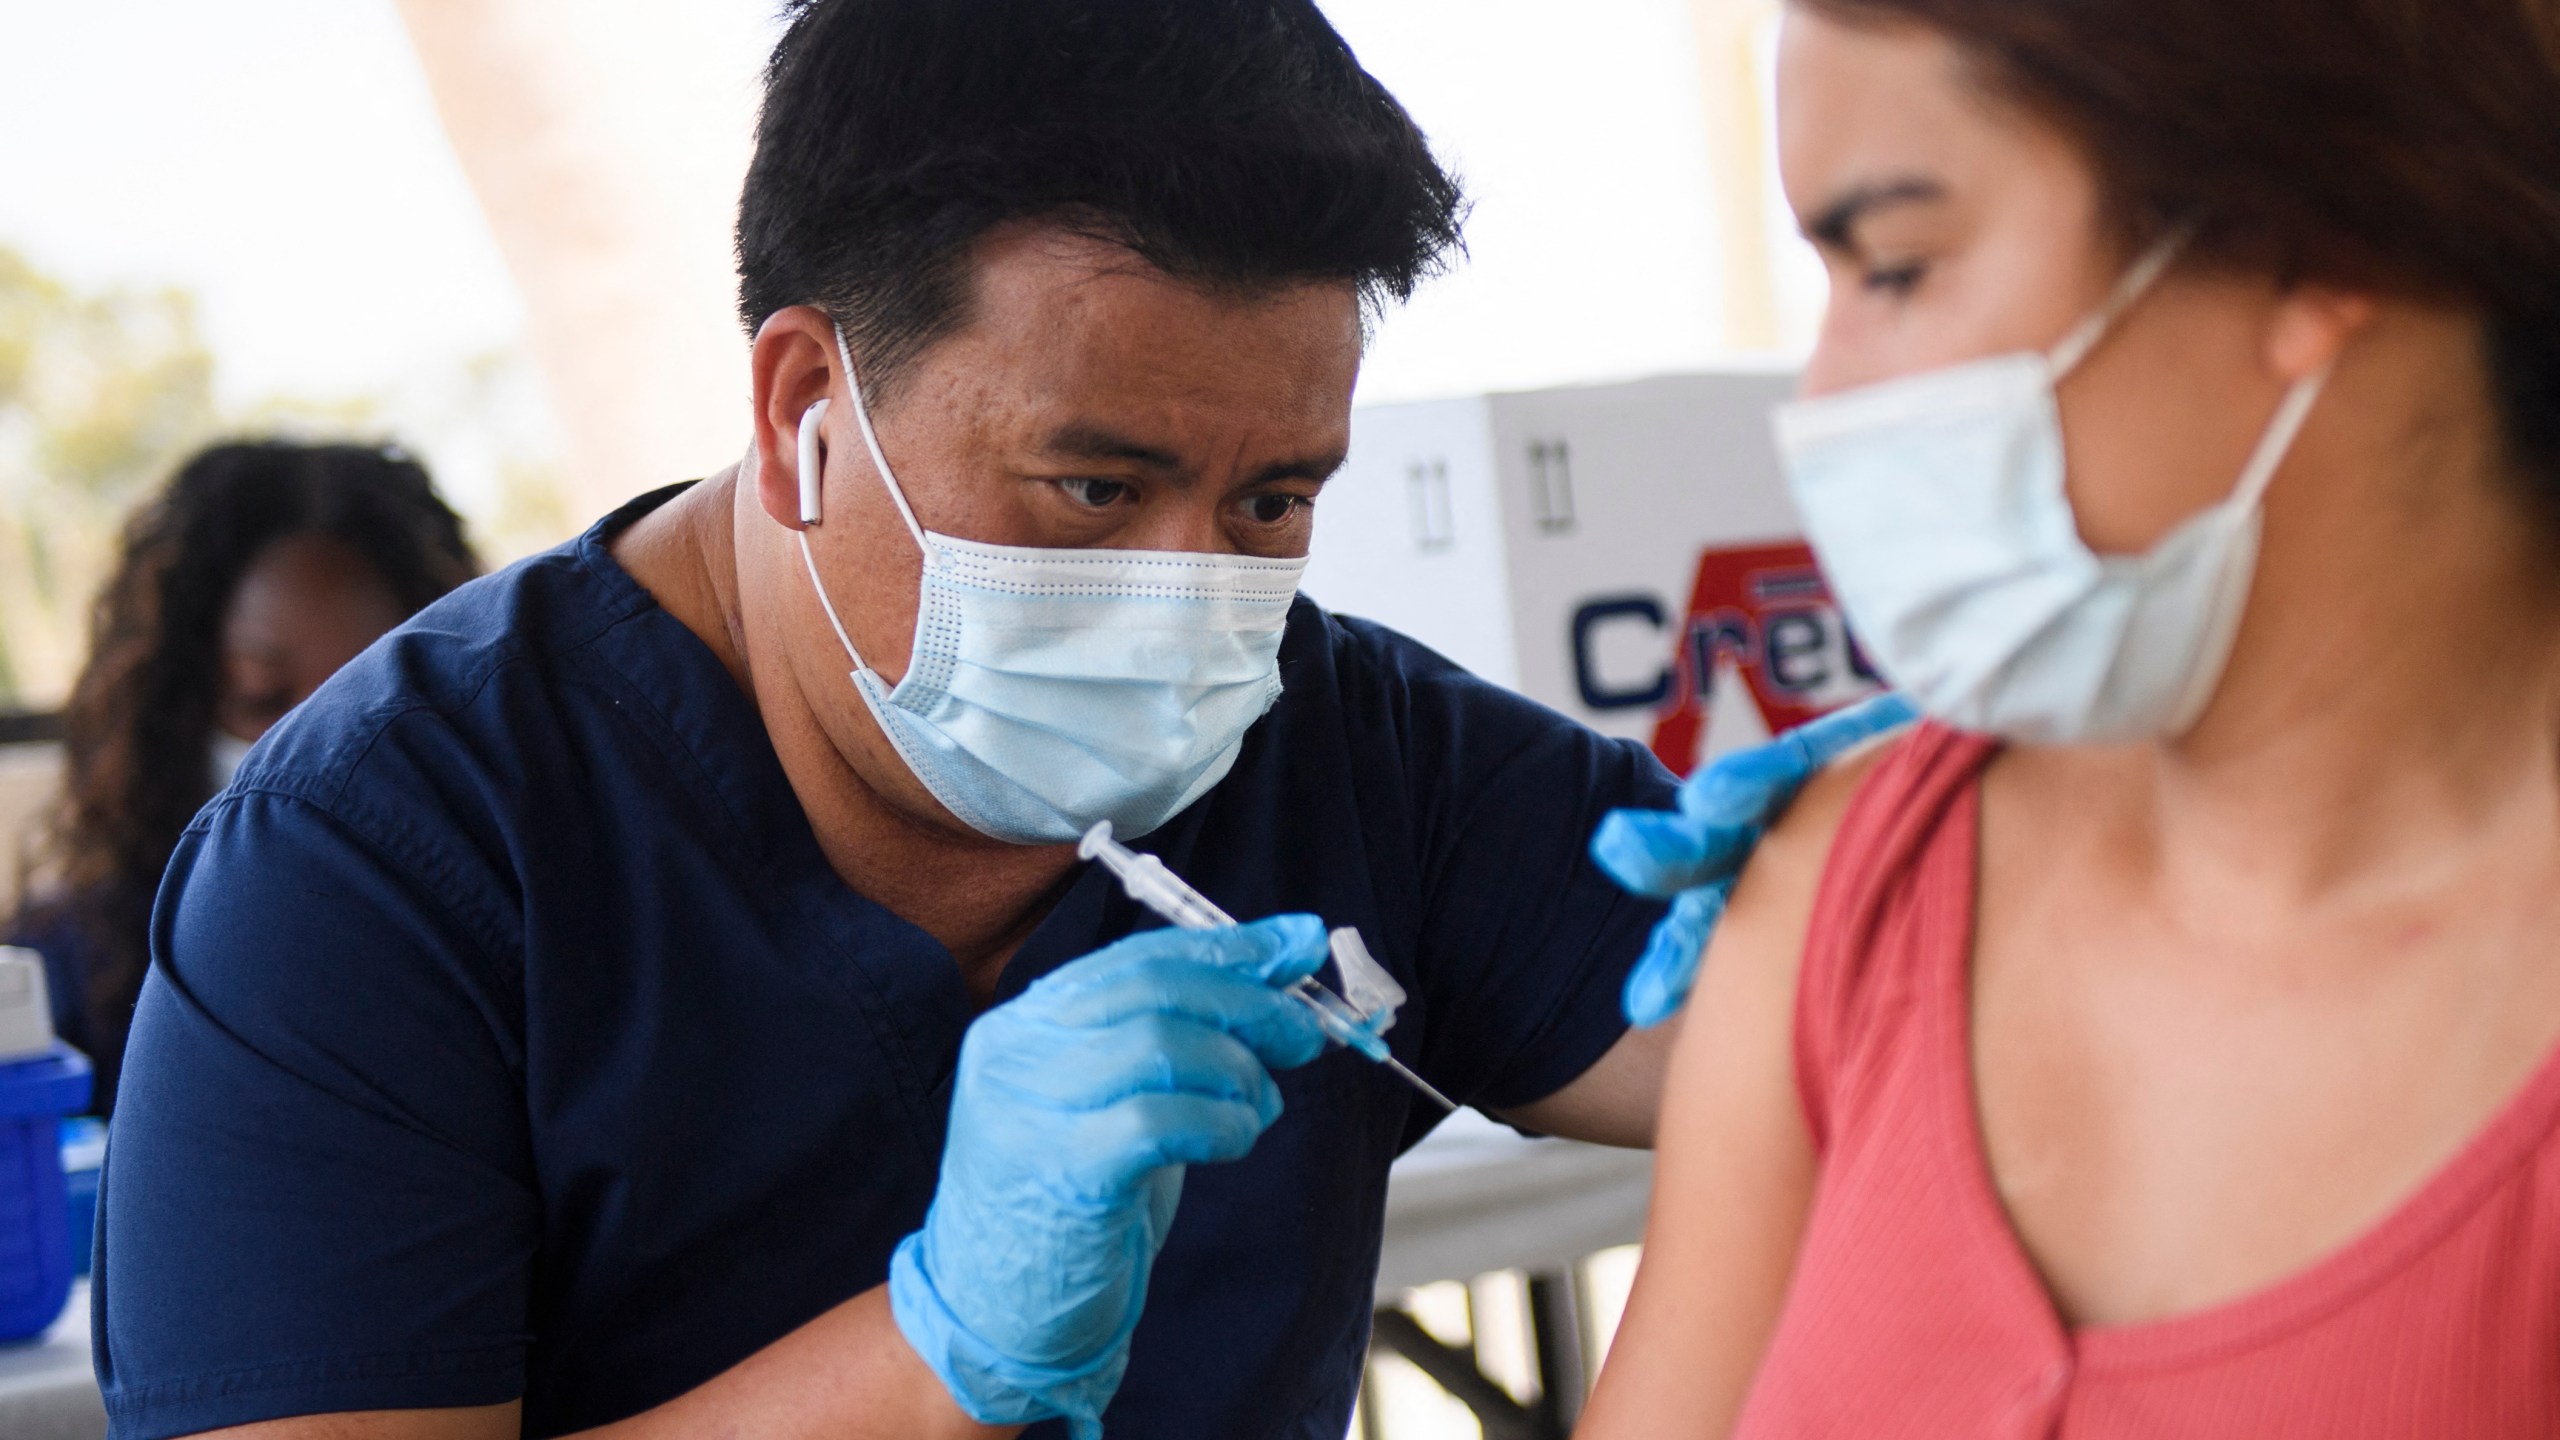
(1916, 1312)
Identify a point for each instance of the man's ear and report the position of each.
(790, 370)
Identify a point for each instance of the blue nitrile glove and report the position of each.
(1692, 856)
(1076, 1106)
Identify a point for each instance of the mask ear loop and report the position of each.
(2146, 272)
(2282, 431)
(809, 488)
(871, 441)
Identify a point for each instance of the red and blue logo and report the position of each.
(1762, 614)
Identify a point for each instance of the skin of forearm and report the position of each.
(847, 1375)
(1616, 1101)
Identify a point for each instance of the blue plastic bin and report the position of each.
(84, 1149)
(35, 1240)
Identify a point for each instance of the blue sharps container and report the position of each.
(41, 1081)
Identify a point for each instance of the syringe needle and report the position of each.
(1418, 1083)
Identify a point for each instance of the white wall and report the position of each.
(1453, 594)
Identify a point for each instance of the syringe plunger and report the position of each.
(1153, 884)
(1150, 883)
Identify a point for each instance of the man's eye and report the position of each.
(1097, 494)
(1274, 508)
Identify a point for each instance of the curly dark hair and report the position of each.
(141, 716)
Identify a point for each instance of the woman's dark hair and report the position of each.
(2411, 146)
(141, 715)
(1236, 143)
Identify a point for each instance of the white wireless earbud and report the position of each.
(809, 419)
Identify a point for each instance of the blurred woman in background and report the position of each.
(2165, 1039)
(263, 568)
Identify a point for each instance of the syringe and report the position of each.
(1152, 884)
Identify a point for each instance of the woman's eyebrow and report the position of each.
(1831, 227)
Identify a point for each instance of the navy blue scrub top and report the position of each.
(508, 1034)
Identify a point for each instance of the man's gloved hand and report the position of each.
(1076, 1106)
(1692, 856)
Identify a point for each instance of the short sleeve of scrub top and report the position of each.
(509, 1036)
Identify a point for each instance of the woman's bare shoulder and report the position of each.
(1734, 1174)
(1772, 907)
(1743, 1016)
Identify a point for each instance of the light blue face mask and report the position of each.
(1938, 508)
(1049, 689)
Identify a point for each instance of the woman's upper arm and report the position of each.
(1734, 1166)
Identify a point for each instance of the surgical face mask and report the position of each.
(223, 756)
(1049, 689)
(1937, 506)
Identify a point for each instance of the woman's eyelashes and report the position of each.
(1896, 281)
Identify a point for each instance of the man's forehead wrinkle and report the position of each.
(1099, 258)
(1324, 455)
(1077, 260)
(1093, 269)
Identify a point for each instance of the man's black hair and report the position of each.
(1232, 143)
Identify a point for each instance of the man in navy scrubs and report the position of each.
(559, 1026)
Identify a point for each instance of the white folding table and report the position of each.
(47, 1388)
(1475, 1197)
